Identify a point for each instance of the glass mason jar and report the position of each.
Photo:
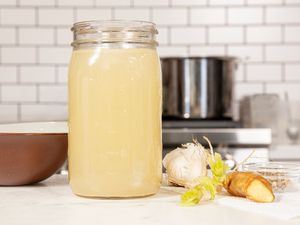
(115, 92)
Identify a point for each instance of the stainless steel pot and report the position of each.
(198, 87)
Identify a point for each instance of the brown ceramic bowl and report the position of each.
(31, 152)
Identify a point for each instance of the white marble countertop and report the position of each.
(52, 202)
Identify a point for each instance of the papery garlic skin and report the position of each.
(186, 165)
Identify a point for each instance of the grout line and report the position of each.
(19, 112)
(245, 74)
(264, 11)
(245, 34)
(264, 86)
(36, 12)
(151, 13)
(283, 31)
(264, 53)
(113, 13)
(226, 19)
(56, 74)
(18, 67)
(159, 24)
(233, 44)
(206, 35)
(188, 16)
(92, 6)
(283, 73)
(188, 48)
(169, 35)
(17, 38)
(37, 59)
(42, 103)
(37, 86)
(55, 38)
(74, 11)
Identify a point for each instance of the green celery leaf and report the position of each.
(208, 185)
(192, 196)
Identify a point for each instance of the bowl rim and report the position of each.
(34, 128)
(287, 166)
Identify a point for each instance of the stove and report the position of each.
(227, 136)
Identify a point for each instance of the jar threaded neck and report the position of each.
(114, 31)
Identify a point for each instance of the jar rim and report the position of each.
(96, 32)
(115, 25)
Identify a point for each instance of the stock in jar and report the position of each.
(115, 92)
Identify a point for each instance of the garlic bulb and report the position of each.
(186, 165)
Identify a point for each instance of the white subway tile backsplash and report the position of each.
(253, 15)
(18, 55)
(226, 2)
(93, 14)
(36, 36)
(18, 93)
(43, 112)
(264, 2)
(17, 16)
(8, 35)
(8, 113)
(207, 50)
(163, 35)
(292, 89)
(283, 14)
(239, 75)
(264, 34)
(188, 2)
(151, 3)
(52, 55)
(225, 35)
(62, 74)
(167, 51)
(35, 74)
(8, 74)
(170, 16)
(208, 16)
(132, 14)
(247, 53)
(264, 72)
(292, 72)
(75, 2)
(292, 2)
(283, 53)
(53, 93)
(35, 44)
(8, 2)
(188, 35)
(56, 17)
(244, 89)
(36, 2)
(64, 36)
(113, 2)
(292, 34)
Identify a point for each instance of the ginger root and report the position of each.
(249, 185)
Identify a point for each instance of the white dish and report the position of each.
(35, 127)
